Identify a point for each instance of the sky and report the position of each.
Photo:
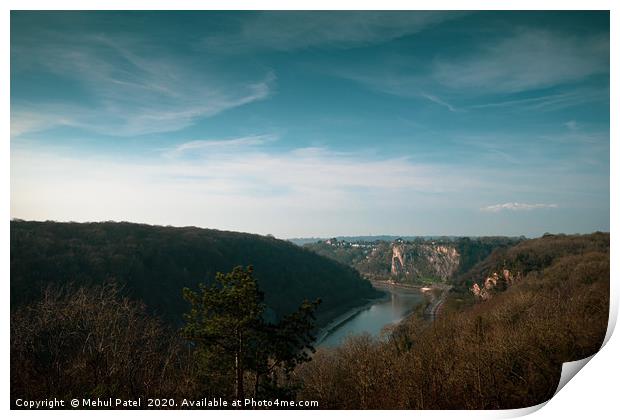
(313, 123)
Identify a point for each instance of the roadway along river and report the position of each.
(397, 305)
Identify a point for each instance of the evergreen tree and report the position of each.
(226, 322)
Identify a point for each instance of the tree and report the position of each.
(226, 322)
(92, 342)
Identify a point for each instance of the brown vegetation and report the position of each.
(90, 343)
(503, 353)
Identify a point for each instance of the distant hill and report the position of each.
(413, 260)
(369, 238)
(303, 241)
(153, 264)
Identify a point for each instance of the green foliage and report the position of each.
(226, 323)
(231, 306)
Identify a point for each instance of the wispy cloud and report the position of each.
(220, 185)
(529, 59)
(26, 119)
(572, 125)
(495, 208)
(286, 31)
(333, 122)
(133, 88)
(438, 101)
(198, 148)
(395, 79)
(549, 102)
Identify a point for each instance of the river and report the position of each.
(396, 306)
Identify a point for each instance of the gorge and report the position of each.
(416, 261)
(413, 274)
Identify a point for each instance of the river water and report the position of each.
(398, 304)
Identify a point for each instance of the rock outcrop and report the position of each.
(494, 283)
(398, 262)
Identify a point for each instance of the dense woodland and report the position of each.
(78, 333)
(154, 263)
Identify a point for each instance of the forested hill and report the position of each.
(153, 264)
(534, 255)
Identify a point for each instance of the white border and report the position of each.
(593, 393)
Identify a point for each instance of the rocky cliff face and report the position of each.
(412, 261)
(494, 283)
(398, 262)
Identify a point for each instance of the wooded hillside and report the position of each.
(503, 352)
(154, 263)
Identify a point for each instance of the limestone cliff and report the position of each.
(427, 261)
(416, 261)
(494, 283)
(398, 262)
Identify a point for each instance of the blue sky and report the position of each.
(313, 123)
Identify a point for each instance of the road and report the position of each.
(432, 310)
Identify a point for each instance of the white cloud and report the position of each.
(27, 120)
(287, 31)
(571, 125)
(395, 79)
(530, 59)
(517, 207)
(131, 87)
(551, 102)
(438, 101)
(245, 185)
(200, 147)
(280, 192)
(527, 60)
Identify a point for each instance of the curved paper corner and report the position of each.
(569, 370)
(522, 412)
(613, 317)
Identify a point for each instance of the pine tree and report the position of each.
(226, 320)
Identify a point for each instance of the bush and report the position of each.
(88, 343)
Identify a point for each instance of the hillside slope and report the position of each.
(533, 256)
(154, 263)
(500, 353)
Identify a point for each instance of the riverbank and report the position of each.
(431, 299)
(433, 307)
(388, 284)
(339, 320)
(417, 287)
